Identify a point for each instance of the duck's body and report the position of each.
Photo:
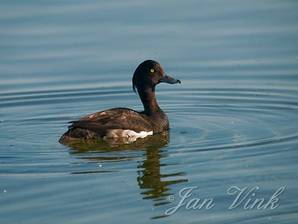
(124, 122)
(117, 123)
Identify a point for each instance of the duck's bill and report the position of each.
(169, 79)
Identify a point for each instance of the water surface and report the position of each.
(234, 119)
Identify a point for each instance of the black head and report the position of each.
(150, 73)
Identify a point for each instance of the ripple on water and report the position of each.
(233, 130)
(218, 137)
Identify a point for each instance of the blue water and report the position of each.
(234, 119)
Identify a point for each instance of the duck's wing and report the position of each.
(117, 118)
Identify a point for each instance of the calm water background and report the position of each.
(234, 121)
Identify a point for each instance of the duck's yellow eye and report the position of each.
(152, 70)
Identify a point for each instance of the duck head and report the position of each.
(148, 74)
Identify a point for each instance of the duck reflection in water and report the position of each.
(150, 179)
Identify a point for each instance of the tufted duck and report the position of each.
(123, 122)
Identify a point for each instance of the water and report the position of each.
(234, 119)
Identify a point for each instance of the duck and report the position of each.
(125, 123)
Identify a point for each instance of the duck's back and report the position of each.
(112, 123)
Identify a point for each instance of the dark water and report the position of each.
(234, 121)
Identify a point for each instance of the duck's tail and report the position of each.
(75, 134)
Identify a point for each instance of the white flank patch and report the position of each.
(129, 134)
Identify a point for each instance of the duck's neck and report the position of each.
(147, 95)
